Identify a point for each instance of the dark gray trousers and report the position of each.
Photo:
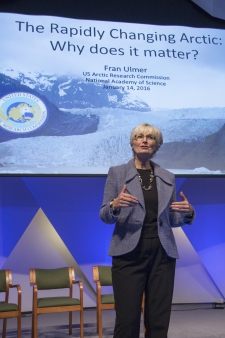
(146, 269)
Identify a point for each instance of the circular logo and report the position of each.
(22, 112)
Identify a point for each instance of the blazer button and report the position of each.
(160, 223)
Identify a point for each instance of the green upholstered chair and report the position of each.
(9, 310)
(48, 279)
(102, 276)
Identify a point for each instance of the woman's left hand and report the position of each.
(183, 206)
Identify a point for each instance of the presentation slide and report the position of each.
(71, 92)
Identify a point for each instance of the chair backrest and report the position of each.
(46, 279)
(2, 281)
(105, 275)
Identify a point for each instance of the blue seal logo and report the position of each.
(22, 112)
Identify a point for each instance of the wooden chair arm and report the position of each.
(97, 282)
(16, 286)
(80, 284)
(77, 282)
(33, 284)
(98, 290)
(98, 287)
(35, 292)
(19, 294)
(81, 290)
(35, 289)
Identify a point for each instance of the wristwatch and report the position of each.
(111, 205)
(113, 210)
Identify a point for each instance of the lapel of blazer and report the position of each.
(133, 184)
(164, 182)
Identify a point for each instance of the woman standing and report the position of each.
(140, 197)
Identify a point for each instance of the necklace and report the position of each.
(150, 181)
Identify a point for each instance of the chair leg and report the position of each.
(81, 323)
(100, 323)
(32, 328)
(19, 326)
(70, 322)
(4, 327)
(34, 325)
(97, 319)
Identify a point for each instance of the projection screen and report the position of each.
(71, 91)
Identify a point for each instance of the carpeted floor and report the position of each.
(61, 331)
(187, 321)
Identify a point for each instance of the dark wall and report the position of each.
(159, 12)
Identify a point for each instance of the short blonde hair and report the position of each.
(146, 128)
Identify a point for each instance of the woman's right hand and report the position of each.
(124, 200)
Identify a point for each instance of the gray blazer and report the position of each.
(129, 221)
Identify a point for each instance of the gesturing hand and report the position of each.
(182, 206)
(124, 200)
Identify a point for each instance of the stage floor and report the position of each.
(187, 321)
